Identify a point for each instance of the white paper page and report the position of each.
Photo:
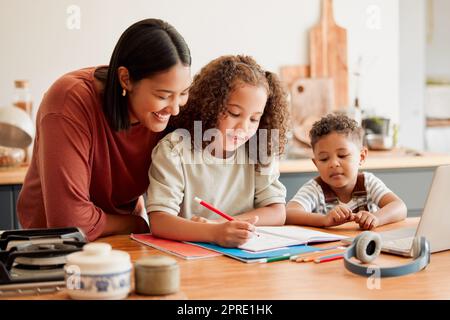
(266, 242)
(300, 234)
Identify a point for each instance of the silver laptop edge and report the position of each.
(434, 223)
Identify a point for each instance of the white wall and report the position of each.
(437, 103)
(37, 45)
(412, 73)
(438, 50)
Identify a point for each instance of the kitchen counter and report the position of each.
(14, 175)
(395, 159)
(378, 160)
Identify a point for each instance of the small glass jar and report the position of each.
(11, 157)
(22, 99)
(22, 96)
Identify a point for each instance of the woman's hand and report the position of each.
(234, 233)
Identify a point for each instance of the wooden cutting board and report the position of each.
(311, 99)
(328, 54)
(288, 74)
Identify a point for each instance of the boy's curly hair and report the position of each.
(211, 89)
(336, 123)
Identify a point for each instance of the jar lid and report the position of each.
(98, 257)
(155, 261)
(21, 83)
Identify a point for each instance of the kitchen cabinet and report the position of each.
(10, 185)
(8, 201)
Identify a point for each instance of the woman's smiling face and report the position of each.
(153, 100)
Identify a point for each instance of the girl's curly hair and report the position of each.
(211, 89)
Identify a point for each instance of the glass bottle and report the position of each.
(357, 112)
(22, 96)
(22, 99)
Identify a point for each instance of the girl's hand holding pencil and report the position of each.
(231, 233)
(234, 233)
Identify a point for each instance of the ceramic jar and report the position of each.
(98, 272)
(156, 275)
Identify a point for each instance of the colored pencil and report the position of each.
(210, 207)
(319, 250)
(285, 256)
(330, 258)
(322, 254)
(220, 213)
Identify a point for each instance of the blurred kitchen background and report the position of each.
(398, 51)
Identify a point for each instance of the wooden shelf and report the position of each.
(437, 123)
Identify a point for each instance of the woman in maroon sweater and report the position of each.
(95, 131)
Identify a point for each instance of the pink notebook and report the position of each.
(180, 249)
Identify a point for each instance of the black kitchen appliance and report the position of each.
(32, 260)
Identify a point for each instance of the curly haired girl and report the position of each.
(237, 116)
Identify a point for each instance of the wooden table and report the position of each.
(225, 278)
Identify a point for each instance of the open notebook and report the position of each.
(180, 249)
(276, 237)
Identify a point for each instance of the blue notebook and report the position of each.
(249, 257)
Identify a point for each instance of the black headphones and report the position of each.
(367, 246)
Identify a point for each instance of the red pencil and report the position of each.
(220, 213)
(210, 207)
(337, 257)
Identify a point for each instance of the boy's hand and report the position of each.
(337, 216)
(366, 220)
(234, 233)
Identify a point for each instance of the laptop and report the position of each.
(434, 223)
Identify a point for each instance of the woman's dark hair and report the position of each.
(145, 48)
